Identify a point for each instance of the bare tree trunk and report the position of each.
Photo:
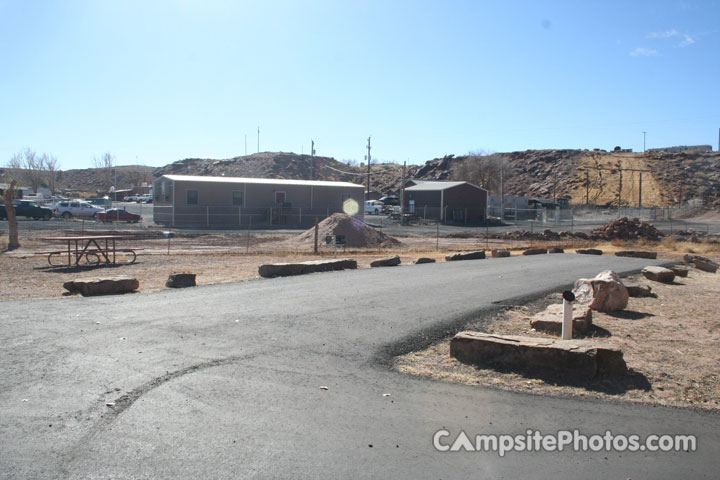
(8, 195)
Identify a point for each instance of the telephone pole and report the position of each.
(312, 159)
(644, 141)
(369, 158)
(258, 140)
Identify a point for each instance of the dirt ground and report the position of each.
(670, 344)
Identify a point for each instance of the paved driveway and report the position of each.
(224, 382)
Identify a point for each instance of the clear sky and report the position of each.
(156, 81)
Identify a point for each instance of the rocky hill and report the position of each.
(602, 178)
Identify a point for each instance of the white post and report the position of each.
(567, 326)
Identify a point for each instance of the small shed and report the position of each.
(457, 202)
(233, 202)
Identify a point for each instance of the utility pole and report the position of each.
(644, 141)
(258, 140)
(312, 159)
(369, 159)
(640, 192)
(502, 195)
(402, 197)
(587, 187)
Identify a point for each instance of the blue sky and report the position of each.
(157, 81)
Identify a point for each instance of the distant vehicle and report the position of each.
(390, 200)
(372, 208)
(145, 198)
(77, 208)
(103, 202)
(117, 215)
(130, 198)
(24, 208)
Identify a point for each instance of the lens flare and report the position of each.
(351, 207)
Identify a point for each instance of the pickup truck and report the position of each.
(24, 208)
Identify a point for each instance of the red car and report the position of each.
(118, 215)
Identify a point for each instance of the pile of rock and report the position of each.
(626, 229)
(544, 235)
(354, 231)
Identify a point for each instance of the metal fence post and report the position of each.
(207, 213)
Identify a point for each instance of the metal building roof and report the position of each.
(265, 181)
(433, 185)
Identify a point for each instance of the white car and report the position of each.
(76, 208)
(372, 207)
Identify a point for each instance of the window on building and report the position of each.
(237, 198)
(192, 197)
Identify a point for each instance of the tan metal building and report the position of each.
(452, 202)
(231, 202)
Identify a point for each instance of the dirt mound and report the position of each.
(625, 229)
(356, 232)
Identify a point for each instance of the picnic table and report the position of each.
(91, 250)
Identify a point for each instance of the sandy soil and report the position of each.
(670, 344)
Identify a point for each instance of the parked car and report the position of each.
(117, 215)
(77, 208)
(28, 209)
(130, 198)
(145, 198)
(373, 208)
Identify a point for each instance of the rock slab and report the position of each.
(535, 251)
(181, 280)
(289, 269)
(577, 357)
(422, 260)
(705, 265)
(556, 250)
(589, 251)
(386, 262)
(637, 254)
(102, 286)
(659, 274)
(550, 320)
(500, 253)
(639, 290)
(477, 255)
(604, 293)
(679, 271)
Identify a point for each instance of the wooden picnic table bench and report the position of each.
(89, 249)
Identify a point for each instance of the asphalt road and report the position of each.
(224, 382)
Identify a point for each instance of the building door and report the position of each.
(279, 198)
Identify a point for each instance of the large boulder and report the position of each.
(288, 269)
(582, 358)
(500, 253)
(386, 262)
(477, 255)
(102, 286)
(550, 320)
(659, 274)
(535, 251)
(604, 293)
